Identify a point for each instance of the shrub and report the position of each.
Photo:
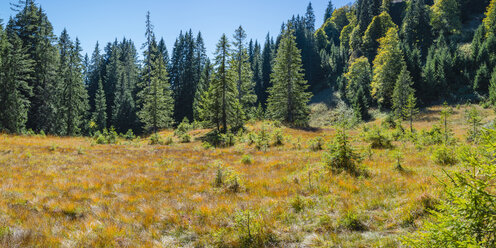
(183, 127)
(253, 231)
(317, 144)
(466, 217)
(278, 138)
(227, 139)
(378, 140)
(228, 179)
(342, 157)
(218, 139)
(352, 221)
(247, 159)
(432, 137)
(262, 142)
(156, 139)
(298, 203)
(129, 135)
(185, 138)
(106, 137)
(168, 141)
(389, 121)
(444, 155)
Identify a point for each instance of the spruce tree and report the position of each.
(73, 96)
(492, 88)
(241, 73)
(287, 97)
(221, 101)
(156, 98)
(201, 92)
(359, 76)
(267, 56)
(340, 18)
(329, 10)
(95, 75)
(387, 66)
(490, 20)
(310, 18)
(99, 115)
(402, 90)
(416, 29)
(410, 110)
(15, 68)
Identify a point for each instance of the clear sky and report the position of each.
(105, 20)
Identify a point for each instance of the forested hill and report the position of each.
(386, 54)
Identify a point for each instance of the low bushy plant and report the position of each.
(316, 144)
(378, 139)
(342, 156)
(444, 155)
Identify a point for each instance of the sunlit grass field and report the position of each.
(72, 192)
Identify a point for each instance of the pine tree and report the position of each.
(340, 18)
(156, 98)
(95, 75)
(99, 115)
(201, 92)
(416, 29)
(267, 56)
(438, 72)
(387, 66)
(445, 17)
(34, 29)
(287, 97)
(310, 18)
(240, 70)
(256, 67)
(329, 10)
(410, 110)
(359, 76)
(73, 96)
(15, 68)
(221, 101)
(402, 91)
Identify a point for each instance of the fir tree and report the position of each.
(241, 72)
(310, 18)
(410, 110)
(266, 69)
(73, 96)
(201, 92)
(221, 101)
(492, 88)
(387, 66)
(329, 10)
(156, 98)
(402, 91)
(490, 20)
(15, 68)
(416, 29)
(287, 97)
(340, 18)
(359, 76)
(99, 115)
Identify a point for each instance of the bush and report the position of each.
(129, 135)
(378, 140)
(183, 127)
(343, 157)
(389, 121)
(317, 144)
(185, 138)
(298, 203)
(432, 137)
(106, 137)
(218, 139)
(247, 159)
(466, 217)
(253, 231)
(444, 155)
(278, 138)
(353, 222)
(262, 141)
(156, 139)
(228, 179)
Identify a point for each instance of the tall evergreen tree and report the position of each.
(241, 72)
(387, 66)
(377, 29)
(329, 10)
(73, 96)
(287, 97)
(359, 77)
(401, 92)
(256, 67)
(156, 98)
(99, 116)
(15, 68)
(34, 29)
(267, 56)
(95, 75)
(416, 29)
(221, 101)
(410, 110)
(201, 91)
(310, 18)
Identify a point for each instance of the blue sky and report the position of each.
(105, 20)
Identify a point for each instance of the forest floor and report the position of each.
(72, 192)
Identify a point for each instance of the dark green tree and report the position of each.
(329, 10)
(99, 116)
(267, 56)
(402, 90)
(416, 30)
(15, 68)
(288, 98)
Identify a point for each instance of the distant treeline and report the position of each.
(374, 53)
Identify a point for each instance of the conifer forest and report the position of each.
(375, 129)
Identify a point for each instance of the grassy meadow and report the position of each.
(73, 192)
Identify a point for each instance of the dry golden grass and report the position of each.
(70, 192)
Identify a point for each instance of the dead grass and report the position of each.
(70, 192)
